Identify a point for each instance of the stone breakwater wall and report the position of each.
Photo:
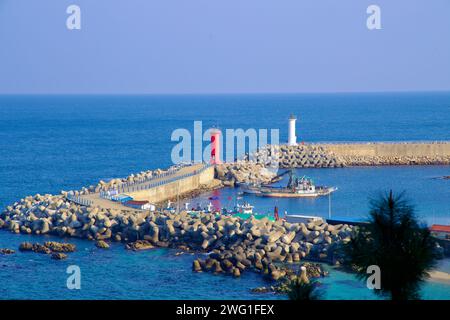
(56, 215)
(331, 156)
(374, 154)
(243, 172)
(298, 156)
(356, 154)
(234, 244)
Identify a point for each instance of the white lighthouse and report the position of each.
(292, 138)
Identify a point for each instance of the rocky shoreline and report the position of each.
(298, 156)
(303, 272)
(243, 172)
(233, 245)
(322, 156)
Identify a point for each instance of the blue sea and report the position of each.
(53, 143)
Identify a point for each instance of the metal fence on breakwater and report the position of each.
(171, 177)
(79, 200)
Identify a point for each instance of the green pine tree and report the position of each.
(395, 241)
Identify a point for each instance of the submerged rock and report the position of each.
(262, 289)
(102, 244)
(26, 246)
(6, 251)
(139, 245)
(59, 256)
(60, 247)
(48, 247)
(196, 266)
(39, 248)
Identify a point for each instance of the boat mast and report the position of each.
(329, 205)
(178, 197)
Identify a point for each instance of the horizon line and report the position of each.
(218, 93)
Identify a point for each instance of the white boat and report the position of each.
(245, 208)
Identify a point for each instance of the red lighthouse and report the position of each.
(215, 146)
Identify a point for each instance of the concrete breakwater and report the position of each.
(261, 166)
(332, 155)
(122, 183)
(175, 183)
(373, 154)
(185, 181)
(234, 245)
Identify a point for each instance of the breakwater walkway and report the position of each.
(395, 153)
(158, 189)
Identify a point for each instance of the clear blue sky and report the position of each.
(223, 46)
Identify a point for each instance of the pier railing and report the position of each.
(79, 200)
(138, 181)
(126, 188)
(108, 194)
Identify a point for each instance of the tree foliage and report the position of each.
(395, 241)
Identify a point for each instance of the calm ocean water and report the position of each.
(49, 143)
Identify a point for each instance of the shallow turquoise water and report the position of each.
(155, 274)
(114, 274)
(344, 286)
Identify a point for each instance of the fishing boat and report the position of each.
(296, 188)
(245, 208)
(250, 188)
(209, 208)
(245, 211)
